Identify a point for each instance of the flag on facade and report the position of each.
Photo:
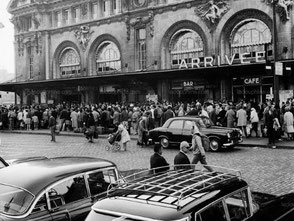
(1, 25)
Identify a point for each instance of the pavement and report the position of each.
(247, 142)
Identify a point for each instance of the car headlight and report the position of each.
(229, 135)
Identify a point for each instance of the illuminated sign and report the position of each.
(252, 81)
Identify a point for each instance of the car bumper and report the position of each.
(232, 143)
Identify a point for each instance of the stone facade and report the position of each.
(108, 50)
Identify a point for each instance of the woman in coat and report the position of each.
(288, 123)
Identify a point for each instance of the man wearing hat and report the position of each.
(197, 148)
(181, 157)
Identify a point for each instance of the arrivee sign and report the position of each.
(216, 61)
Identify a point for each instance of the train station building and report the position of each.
(91, 51)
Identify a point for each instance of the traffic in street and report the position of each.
(266, 170)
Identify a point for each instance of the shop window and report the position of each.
(69, 63)
(185, 45)
(107, 58)
(251, 36)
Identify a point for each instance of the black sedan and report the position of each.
(60, 189)
(177, 129)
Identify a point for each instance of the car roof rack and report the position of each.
(173, 186)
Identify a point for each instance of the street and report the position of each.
(266, 170)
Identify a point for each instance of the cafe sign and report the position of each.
(252, 81)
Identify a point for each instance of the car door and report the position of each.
(174, 131)
(186, 133)
(69, 199)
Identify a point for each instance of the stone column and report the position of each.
(118, 6)
(47, 56)
(107, 8)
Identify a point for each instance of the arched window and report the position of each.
(69, 63)
(251, 36)
(107, 57)
(185, 44)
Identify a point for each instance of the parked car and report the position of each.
(182, 195)
(62, 188)
(177, 129)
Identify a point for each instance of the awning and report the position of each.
(125, 77)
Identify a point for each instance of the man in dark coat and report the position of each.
(168, 114)
(181, 157)
(156, 160)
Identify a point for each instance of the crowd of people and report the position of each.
(266, 119)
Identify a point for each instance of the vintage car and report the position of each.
(189, 194)
(177, 129)
(62, 188)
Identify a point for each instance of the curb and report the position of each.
(105, 136)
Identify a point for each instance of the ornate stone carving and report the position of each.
(20, 44)
(83, 35)
(283, 8)
(128, 27)
(143, 21)
(36, 18)
(212, 11)
(17, 23)
(37, 42)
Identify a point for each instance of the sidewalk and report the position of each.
(247, 142)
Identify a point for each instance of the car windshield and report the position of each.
(14, 201)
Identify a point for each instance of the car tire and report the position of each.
(164, 142)
(215, 144)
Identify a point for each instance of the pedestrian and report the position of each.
(269, 125)
(181, 158)
(231, 117)
(35, 120)
(157, 161)
(197, 148)
(242, 119)
(142, 131)
(125, 136)
(52, 125)
(90, 125)
(288, 123)
(254, 122)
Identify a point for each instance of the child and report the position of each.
(125, 137)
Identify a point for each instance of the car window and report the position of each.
(176, 124)
(188, 125)
(68, 191)
(100, 180)
(213, 212)
(41, 205)
(14, 200)
(238, 206)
